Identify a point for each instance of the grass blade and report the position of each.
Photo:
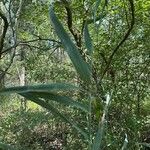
(80, 65)
(145, 144)
(60, 99)
(54, 111)
(99, 135)
(39, 88)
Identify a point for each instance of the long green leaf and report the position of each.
(98, 138)
(5, 147)
(88, 40)
(80, 65)
(60, 99)
(101, 126)
(39, 88)
(145, 144)
(54, 111)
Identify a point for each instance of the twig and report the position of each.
(26, 42)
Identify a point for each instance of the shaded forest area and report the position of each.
(74, 75)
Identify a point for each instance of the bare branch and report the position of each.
(123, 40)
(26, 42)
(74, 32)
(40, 39)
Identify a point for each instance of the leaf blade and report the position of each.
(6, 146)
(80, 65)
(41, 87)
(125, 143)
(60, 99)
(88, 40)
(101, 126)
(54, 111)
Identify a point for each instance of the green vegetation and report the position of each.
(74, 75)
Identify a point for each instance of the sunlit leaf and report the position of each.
(60, 99)
(80, 65)
(125, 143)
(98, 138)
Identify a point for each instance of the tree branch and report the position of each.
(2, 37)
(30, 41)
(75, 33)
(123, 40)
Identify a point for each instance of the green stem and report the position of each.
(89, 122)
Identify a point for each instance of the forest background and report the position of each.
(75, 74)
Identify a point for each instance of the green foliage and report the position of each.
(60, 99)
(35, 130)
(40, 92)
(53, 110)
(99, 26)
